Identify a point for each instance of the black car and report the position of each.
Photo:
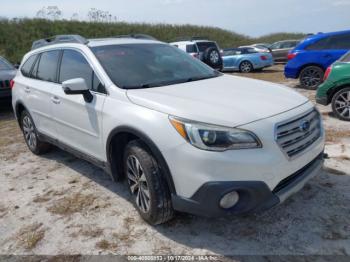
(7, 73)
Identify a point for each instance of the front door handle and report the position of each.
(55, 100)
(27, 89)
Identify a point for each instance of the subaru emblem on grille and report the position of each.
(304, 126)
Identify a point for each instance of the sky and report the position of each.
(249, 17)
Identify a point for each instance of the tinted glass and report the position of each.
(346, 58)
(27, 66)
(202, 46)
(47, 68)
(191, 49)
(320, 44)
(340, 42)
(149, 65)
(276, 45)
(74, 65)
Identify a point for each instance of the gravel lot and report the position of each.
(57, 204)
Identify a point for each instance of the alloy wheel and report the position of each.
(214, 57)
(311, 77)
(246, 67)
(29, 132)
(342, 104)
(138, 183)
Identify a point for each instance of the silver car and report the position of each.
(7, 73)
(280, 49)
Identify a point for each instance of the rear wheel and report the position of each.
(147, 185)
(341, 104)
(246, 67)
(311, 77)
(30, 134)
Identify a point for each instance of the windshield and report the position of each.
(4, 65)
(133, 66)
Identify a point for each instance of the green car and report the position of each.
(336, 88)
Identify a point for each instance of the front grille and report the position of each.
(5, 84)
(290, 179)
(296, 135)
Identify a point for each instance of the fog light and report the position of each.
(229, 200)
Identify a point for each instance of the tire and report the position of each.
(30, 135)
(212, 57)
(246, 67)
(311, 77)
(341, 104)
(147, 185)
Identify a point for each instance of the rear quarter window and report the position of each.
(28, 64)
(191, 49)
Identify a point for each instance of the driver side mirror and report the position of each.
(77, 86)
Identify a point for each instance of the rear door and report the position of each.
(38, 86)
(79, 123)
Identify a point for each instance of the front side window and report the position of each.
(150, 65)
(28, 64)
(74, 65)
(47, 68)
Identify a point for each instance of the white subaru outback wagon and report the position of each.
(186, 137)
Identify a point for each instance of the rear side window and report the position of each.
(202, 46)
(191, 49)
(27, 66)
(47, 69)
(340, 41)
(74, 65)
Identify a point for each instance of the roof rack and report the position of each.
(136, 36)
(59, 39)
(193, 38)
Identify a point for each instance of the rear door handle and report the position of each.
(55, 100)
(27, 89)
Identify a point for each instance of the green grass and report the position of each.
(17, 35)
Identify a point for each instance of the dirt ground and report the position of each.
(57, 204)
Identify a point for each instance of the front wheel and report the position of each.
(147, 185)
(246, 67)
(341, 104)
(311, 77)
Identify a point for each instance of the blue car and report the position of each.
(309, 60)
(245, 59)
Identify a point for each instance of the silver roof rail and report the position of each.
(59, 39)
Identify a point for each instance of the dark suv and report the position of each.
(309, 60)
(7, 73)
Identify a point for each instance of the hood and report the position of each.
(7, 74)
(225, 100)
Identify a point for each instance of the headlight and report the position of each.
(214, 138)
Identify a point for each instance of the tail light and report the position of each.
(327, 73)
(291, 56)
(263, 57)
(195, 55)
(12, 83)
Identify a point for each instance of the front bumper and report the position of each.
(254, 196)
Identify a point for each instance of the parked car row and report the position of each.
(7, 73)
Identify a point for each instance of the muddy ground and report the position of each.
(57, 204)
